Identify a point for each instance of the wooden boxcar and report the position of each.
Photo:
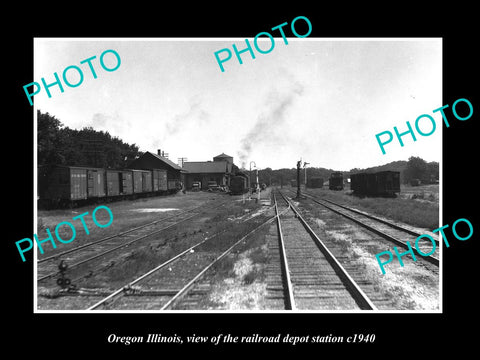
(119, 182)
(95, 182)
(64, 184)
(60, 185)
(127, 182)
(114, 179)
(358, 183)
(142, 181)
(382, 183)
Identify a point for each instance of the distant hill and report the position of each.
(399, 165)
(413, 168)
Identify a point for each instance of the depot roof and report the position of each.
(150, 160)
(205, 166)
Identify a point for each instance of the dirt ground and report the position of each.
(221, 211)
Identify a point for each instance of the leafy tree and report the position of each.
(49, 140)
(416, 169)
(59, 145)
(433, 171)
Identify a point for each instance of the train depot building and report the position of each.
(150, 160)
(219, 170)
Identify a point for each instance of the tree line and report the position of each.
(411, 171)
(59, 145)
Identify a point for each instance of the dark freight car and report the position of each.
(336, 181)
(59, 185)
(238, 185)
(315, 182)
(382, 183)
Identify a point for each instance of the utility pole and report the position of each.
(258, 188)
(299, 165)
(181, 161)
(250, 178)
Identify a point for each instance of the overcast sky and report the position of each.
(319, 99)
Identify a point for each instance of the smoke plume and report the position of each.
(195, 114)
(272, 116)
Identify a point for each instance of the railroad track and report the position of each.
(312, 277)
(168, 284)
(99, 252)
(394, 233)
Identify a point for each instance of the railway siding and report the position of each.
(414, 287)
(160, 240)
(181, 285)
(386, 229)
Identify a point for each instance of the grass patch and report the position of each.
(237, 281)
(423, 214)
(415, 213)
(139, 261)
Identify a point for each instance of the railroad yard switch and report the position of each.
(62, 281)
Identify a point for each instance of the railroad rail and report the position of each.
(290, 300)
(376, 218)
(386, 229)
(81, 255)
(313, 276)
(279, 288)
(153, 293)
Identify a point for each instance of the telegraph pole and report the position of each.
(181, 160)
(258, 188)
(250, 178)
(305, 166)
(299, 165)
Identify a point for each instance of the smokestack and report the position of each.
(159, 152)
